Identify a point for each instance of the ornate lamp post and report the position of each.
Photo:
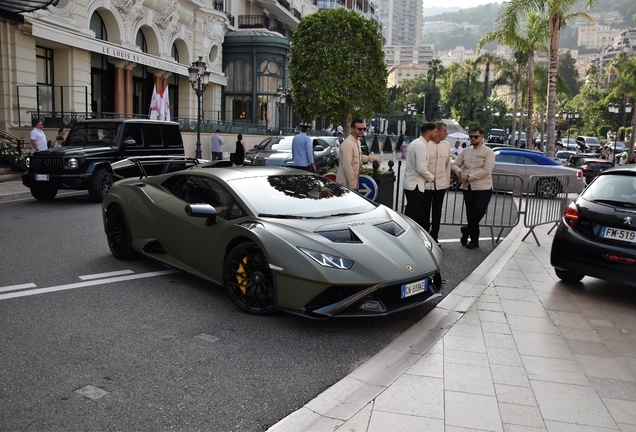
(568, 116)
(615, 109)
(281, 100)
(199, 79)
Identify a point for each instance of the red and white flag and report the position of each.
(160, 103)
(153, 104)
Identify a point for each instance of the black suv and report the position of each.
(496, 136)
(83, 163)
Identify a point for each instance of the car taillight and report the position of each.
(571, 215)
(579, 175)
(585, 168)
(620, 258)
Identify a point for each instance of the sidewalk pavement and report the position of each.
(14, 190)
(509, 349)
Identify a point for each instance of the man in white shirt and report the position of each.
(439, 156)
(457, 150)
(38, 139)
(416, 174)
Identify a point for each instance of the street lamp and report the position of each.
(281, 100)
(615, 109)
(199, 75)
(568, 116)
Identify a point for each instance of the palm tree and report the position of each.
(624, 88)
(558, 13)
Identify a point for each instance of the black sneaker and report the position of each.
(464, 239)
(472, 245)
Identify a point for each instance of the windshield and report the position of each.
(93, 134)
(614, 188)
(284, 144)
(497, 132)
(592, 140)
(293, 195)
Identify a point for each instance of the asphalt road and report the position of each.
(171, 350)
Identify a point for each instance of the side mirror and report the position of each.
(259, 146)
(318, 148)
(203, 211)
(130, 143)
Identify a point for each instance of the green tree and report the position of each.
(624, 91)
(336, 66)
(567, 69)
(558, 13)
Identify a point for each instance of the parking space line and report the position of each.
(103, 275)
(17, 287)
(85, 284)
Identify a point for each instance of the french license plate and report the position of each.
(618, 234)
(41, 177)
(414, 288)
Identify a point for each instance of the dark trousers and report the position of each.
(414, 203)
(476, 205)
(433, 200)
(217, 156)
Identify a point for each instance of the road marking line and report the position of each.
(17, 287)
(103, 275)
(85, 284)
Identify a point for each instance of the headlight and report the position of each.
(327, 260)
(72, 163)
(27, 162)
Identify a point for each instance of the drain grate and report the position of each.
(206, 337)
(92, 392)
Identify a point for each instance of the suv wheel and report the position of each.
(101, 182)
(43, 194)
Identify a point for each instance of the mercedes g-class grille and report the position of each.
(47, 164)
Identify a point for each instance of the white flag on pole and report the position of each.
(153, 104)
(166, 104)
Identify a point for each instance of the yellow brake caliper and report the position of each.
(241, 275)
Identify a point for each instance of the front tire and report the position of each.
(248, 279)
(118, 233)
(43, 194)
(101, 181)
(568, 276)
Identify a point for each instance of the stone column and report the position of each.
(119, 92)
(128, 89)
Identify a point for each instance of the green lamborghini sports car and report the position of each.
(276, 238)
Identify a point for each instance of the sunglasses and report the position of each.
(474, 136)
(362, 129)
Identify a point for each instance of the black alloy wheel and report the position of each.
(547, 188)
(118, 233)
(101, 182)
(248, 279)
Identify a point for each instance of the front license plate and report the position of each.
(414, 288)
(41, 177)
(618, 234)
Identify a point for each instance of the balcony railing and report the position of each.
(230, 18)
(253, 21)
(218, 5)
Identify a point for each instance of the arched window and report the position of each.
(174, 53)
(97, 25)
(140, 41)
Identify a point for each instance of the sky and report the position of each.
(459, 3)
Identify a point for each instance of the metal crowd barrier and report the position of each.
(540, 201)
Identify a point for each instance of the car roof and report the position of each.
(532, 154)
(147, 121)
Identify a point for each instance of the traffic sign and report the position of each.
(367, 187)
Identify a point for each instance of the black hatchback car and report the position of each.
(597, 234)
(591, 167)
(276, 151)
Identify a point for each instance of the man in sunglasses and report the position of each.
(416, 175)
(474, 168)
(350, 156)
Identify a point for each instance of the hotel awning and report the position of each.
(12, 8)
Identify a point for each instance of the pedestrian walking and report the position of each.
(216, 141)
(302, 150)
(416, 174)
(439, 160)
(474, 168)
(239, 152)
(350, 157)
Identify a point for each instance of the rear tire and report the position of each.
(101, 181)
(568, 276)
(548, 188)
(118, 233)
(43, 194)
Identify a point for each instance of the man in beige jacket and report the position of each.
(474, 168)
(350, 156)
(416, 174)
(439, 156)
